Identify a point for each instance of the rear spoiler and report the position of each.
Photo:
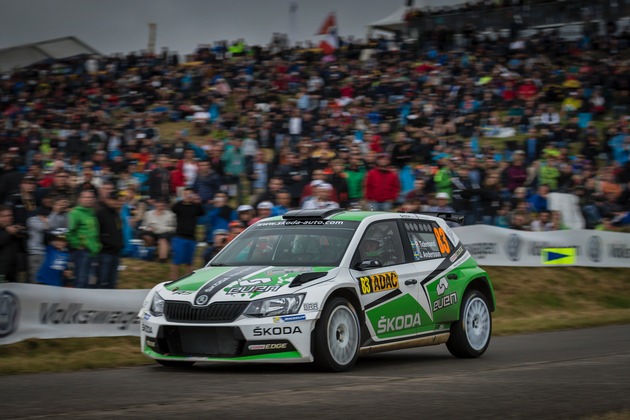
(447, 217)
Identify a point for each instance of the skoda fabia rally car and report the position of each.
(324, 286)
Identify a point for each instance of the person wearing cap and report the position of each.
(321, 198)
(235, 228)
(219, 240)
(442, 200)
(263, 210)
(382, 185)
(187, 212)
(245, 213)
(54, 270)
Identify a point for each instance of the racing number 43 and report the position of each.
(445, 248)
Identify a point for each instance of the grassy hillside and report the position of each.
(528, 300)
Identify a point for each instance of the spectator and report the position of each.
(54, 270)
(258, 173)
(220, 215)
(111, 238)
(37, 226)
(543, 222)
(321, 198)
(382, 185)
(442, 205)
(10, 243)
(160, 180)
(58, 217)
(283, 203)
(491, 199)
(187, 212)
(220, 239)
(263, 210)
(83, 238)
(419, 192)
(157, 227)
(24, 206)
(538, 200)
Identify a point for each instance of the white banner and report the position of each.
(491, 245)
(38, 311)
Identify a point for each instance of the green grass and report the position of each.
(528, 300)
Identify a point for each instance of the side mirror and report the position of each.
(369, 264)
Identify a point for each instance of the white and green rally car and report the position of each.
(324, 286)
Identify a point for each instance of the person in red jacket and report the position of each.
(178, 180)
(382, 185)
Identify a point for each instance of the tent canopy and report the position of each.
(55, 49)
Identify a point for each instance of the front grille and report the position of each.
(200, 341)
(215, 312)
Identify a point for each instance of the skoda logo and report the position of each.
(513, 247)
(594, 247)
(201, 300)
(9, 312)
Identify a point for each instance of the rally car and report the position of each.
(324, 286)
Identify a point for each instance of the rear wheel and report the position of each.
(337, 336)
(470, 336)
(175, 363)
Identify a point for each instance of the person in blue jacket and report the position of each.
(55, 269)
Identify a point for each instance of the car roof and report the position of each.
(359, 216)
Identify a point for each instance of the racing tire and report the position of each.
(337, 336)
(470, 335)
(175, 363)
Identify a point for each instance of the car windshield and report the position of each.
(289, 243)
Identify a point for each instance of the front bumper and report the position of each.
(271, 339)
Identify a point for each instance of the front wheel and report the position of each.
(470, 336)
(175, 363)
(337, 336)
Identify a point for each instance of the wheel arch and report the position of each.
(351, 296)
(482, 285)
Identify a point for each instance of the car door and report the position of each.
(430, 248)
(388, 289)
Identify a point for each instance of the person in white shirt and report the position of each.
(157, 227)
(550, 117)
(321, 198)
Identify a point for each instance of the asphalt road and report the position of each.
(567, 374)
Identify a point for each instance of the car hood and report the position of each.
(239, 283)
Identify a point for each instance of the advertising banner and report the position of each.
(491, 245)
(38, 311)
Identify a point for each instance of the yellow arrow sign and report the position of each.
(558, 256)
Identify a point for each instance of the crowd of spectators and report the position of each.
(88, 176)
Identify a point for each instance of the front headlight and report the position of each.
(157, 305)
(279, 305)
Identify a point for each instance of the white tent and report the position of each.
(396, 21)
(25, 55)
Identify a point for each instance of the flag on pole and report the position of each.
(329, 29)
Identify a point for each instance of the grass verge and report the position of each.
(528, 300)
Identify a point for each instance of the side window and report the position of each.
(382, 242)
(427, 240)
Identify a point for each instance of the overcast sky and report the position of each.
(112, 26)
